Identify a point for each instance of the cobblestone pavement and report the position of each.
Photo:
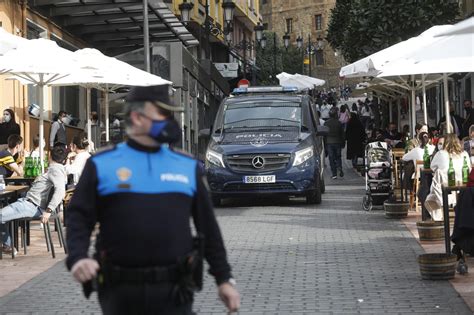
(293, 258)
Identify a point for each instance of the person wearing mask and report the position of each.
(8, 127)
(452, 150)
(469, 120)
(143, 194)
(8, 165)
(57, 136)
(335, 142)
(456, 122)
(37, 202)
(78, 156)
(356, 138)
(439, 145)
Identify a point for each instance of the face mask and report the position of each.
(7, 118)
(63, 120)
(440, 147)
(165, 131)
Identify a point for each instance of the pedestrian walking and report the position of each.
(356, 138)
(143, 194)
(335, 142)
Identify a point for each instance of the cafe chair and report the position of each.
(414, 199)
(25, 232)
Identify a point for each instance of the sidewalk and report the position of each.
(463, 284)
(15, 272)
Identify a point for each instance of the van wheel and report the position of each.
(314, 197)
(323, 185)
(216, 201)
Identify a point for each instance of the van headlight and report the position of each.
(303, 155)
(215, 158)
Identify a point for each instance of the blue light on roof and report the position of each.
(265, 89)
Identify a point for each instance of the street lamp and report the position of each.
(286, 40)
(263, 42)
(185, 9)
(299, 42)
(229, 8)
(259, 31)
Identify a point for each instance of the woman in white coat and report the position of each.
(453, 150)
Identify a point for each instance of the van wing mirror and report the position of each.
(322, 130)
(205, 133)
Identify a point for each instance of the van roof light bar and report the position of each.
(265, 89)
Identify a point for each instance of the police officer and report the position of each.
(143, 194)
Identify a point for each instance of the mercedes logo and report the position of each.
(258, 162)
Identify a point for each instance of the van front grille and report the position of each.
(271, 162)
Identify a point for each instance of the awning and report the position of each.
(114, 26)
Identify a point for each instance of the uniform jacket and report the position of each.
(143, 199)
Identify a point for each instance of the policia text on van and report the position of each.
(266, 140)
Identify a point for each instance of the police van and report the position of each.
(266, 140)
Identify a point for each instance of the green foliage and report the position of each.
(362, 27)
(275, 59)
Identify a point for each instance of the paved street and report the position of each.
(292, 258)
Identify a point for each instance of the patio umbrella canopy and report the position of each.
(299, 81)
(39, 62)
(9, 41)
(107, 74)
(372, 65)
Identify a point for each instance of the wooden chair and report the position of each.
(416, 183)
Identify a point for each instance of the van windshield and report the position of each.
(262, 115)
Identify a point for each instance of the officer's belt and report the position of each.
(119, 274)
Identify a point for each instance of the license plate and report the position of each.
(259, 179)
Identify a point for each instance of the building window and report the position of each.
(265, 26)
(216, 10)
(289, 25)
(319, 21)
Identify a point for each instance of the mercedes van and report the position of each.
(264, 141)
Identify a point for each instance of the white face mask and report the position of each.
(63, 120)
(440, 147)
(7, 117)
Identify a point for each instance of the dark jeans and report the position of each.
(141, 299)
(334, 152)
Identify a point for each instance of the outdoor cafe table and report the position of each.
(18, 180)
(426, 177)
(11, 193)
(446, 191)
(397, 156)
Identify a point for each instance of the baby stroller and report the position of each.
(378, 174)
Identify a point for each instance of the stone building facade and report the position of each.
(306, 19)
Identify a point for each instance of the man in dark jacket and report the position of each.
(469, 120)
(143, 194)
(335, 142)
(456, 122)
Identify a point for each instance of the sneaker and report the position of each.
(334, 177)
(341, 173)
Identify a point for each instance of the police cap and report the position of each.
(159, 95)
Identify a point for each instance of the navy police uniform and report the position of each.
(143, 199)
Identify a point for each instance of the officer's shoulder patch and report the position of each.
(183, 153)
(107, 148)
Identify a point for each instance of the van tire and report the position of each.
(314, 197)
(323, 185)
(216, 201)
